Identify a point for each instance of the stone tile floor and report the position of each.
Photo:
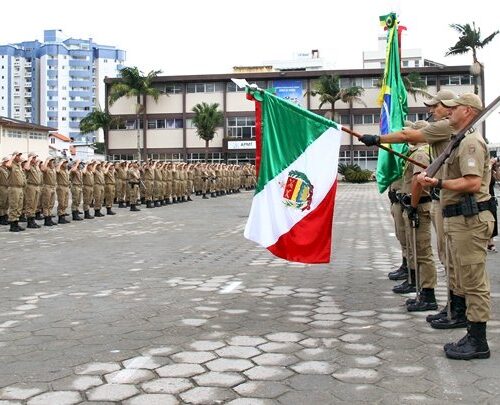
(173, 305)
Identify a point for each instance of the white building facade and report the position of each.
(20, 136)
(168, 133)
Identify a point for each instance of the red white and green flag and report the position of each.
(292, 209)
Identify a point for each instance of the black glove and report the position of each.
(413, 217)
(370, 140)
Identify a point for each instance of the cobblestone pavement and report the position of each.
(173, 305)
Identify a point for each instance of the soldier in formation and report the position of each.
(29, 186)
(461, 213)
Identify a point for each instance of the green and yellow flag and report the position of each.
(394, 106)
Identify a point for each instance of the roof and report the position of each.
(13, 123)
(60, 136)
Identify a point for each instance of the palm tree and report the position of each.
(329, 91)
(133, 83)
(469, 39)
(416, 85)
(96, 120)
(206, 120)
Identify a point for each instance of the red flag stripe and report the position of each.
(309, 240)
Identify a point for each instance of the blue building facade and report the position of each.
(56, 82)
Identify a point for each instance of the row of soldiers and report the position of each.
(457, 203)
(30, 187)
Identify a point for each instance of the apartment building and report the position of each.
(168, 132)
(56, 82)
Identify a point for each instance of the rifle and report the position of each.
(438, 162)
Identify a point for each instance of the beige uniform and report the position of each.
(16, 182)
(49, 191)
(88, 189)
(468, 236)
(62, 191)
(4, 191)
(438, 135)
(76, 179)
(149, 183)
(133, 180)
(109, 188)
(423, 248)
(121, 183)
(98, 189)
(397, 215)
(32, 192)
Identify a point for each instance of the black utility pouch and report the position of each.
(469, 207)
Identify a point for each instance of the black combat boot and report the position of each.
(157, 204)
(53, 223)
(4, 220)
(97, 213)
(38, 216)
(149, 204)
(406, 287)
(32, 224)
(75, 216)
(189, 198)
(109, 211)
(87, 215)
(213, 195)
(441, 314)
(174, 200)
(143, 200)
(426, 301)
(14, 227)
(47, 221)
(205, 197)
(472, 346)
(401, 273)
(62, 220)
(23, 218)
(127, 204)
(133, 207)
(162, 203)
(121, 204)
(458, 318)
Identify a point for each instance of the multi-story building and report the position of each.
(168, 132)
(57, 82)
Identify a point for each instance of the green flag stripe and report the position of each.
(287, 131)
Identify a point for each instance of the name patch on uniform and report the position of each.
(471, 162)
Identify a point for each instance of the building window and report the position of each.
(232, 88)
(366, 119)
(204, 87)
(173, 123)
(52, 140)
(241, 127)
(405, 63)
(173, 88)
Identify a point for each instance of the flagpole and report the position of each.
(400, 155)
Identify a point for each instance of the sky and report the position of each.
(212, 36)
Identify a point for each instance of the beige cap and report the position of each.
(15, 153)
(439, 97)
(51, 158)
(468, 99)
(32, 154)
(5, 159)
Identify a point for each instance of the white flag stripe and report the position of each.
(269, 217)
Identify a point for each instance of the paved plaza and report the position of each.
(172, 305)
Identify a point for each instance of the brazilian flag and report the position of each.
(394, 107)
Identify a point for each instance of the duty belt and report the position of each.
(424, 200)
(455, 210)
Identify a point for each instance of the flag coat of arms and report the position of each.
(292, 209)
